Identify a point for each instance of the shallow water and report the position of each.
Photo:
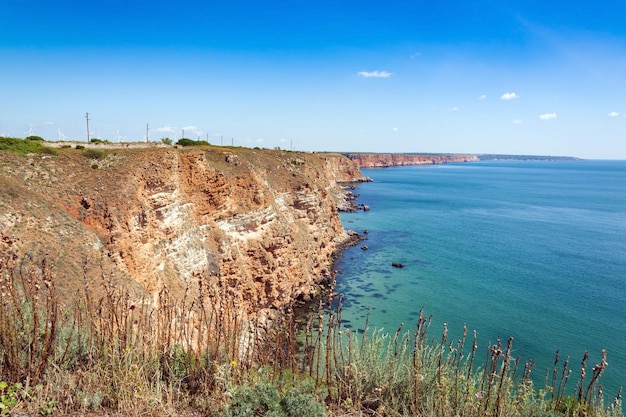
(533, 250)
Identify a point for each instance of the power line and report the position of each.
(87, 117)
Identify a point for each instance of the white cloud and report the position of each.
(613, 114)
(482, 97)
(509, 96)
(192, 128)
(191, 131)
(395, 129)
(166, 129)
(453, 109)
(517, 121)
(548, 116)
(374, 74)
(415, 55)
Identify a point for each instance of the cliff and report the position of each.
(264, 222)
(380, 160)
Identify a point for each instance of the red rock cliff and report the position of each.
(379, 160)
(265, 222)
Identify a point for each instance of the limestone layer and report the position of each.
(264, 222)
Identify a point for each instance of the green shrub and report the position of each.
(9, 396)
(33, 137)
(297, 403)
(265, 400)
(166, 141)
(190, 142)
(21, 146)
(261, 400)
(94, 154)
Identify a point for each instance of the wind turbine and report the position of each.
(118, 136)
(62, 137)
(30, 132)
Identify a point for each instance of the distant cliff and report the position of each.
(263, 222)
(379, 160)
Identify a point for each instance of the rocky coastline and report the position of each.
(264, 223)
(383, 160)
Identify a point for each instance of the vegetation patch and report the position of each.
(96, 154)
(190, 142)
(113, 352)
(32, 144)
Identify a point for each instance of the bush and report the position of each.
(22, 146)
(296, 403)
(166, 141)
(264, 400)
(33, 137)
(190, 142)
(94, 154)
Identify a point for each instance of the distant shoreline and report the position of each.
(383, 160)
(500, 157)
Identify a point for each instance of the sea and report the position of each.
(534, 250)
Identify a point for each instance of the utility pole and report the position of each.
(222, 140)
(232, 141)
(183, 134)
(87, 117)
(147, 133)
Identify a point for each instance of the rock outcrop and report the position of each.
(381, 160)
(264, 222)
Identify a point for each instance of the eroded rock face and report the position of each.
(380, 160)
(264, 222)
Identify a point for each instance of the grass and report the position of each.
(25, 146)
(107, 350)
(95, 154)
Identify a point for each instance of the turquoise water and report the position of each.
(532, 250)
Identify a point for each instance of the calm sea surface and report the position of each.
(532, 250)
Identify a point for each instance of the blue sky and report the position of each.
(517, 77)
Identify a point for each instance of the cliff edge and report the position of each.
(263, 222)
(381, 160)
